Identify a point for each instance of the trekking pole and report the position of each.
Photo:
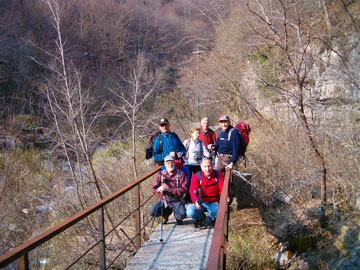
(201, 214)
(162, 213)
(244, 161)
(155, 216)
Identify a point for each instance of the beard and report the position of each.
(170, 168)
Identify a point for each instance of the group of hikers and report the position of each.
(190, 176)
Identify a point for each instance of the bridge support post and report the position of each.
(23, 262)
(137, 217)
(101, 228)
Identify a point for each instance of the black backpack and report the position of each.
(150, 146)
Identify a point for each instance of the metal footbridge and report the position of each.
(120, 239)
(183, 247)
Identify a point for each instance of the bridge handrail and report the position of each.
(217, 254)
(36, 241)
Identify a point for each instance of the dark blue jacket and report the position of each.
(236, 146)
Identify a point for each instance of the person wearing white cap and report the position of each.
(171, 184)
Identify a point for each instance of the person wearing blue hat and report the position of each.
(229, 145)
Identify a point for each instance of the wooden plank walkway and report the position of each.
(184, 247)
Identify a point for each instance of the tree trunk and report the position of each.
(318, 157)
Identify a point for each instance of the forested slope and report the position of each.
(84, 82)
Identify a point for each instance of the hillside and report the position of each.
(83, 84)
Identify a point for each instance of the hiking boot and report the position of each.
(212, 223)
(197, 223)
(200, 221)
(165, 219)
(179, 221)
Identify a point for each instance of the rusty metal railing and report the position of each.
(217, 253)
(21, 253)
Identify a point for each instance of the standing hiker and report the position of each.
(207, 135)
(195, 152)
(166, 143)
(229, 145)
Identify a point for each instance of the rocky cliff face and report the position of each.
(336, 73)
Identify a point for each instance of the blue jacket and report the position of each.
(170, 143)
(235, 146)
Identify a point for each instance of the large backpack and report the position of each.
(243, 144)
(244, 131)
(150, 146)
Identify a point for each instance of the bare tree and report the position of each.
(287, 26)
(69, 109)
(69, 106)
(131, 95)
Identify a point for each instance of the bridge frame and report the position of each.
(217, 254)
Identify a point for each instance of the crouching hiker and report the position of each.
(205, 191)
(171, 184)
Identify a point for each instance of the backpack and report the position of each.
(243, 144)
(149, 149)
(244, 131)
(163, 177)
(200, 178)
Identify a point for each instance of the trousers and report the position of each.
(177, 207)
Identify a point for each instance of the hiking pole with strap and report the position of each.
(155, 216)
(199, 197)
(201, 214)
(163, 204)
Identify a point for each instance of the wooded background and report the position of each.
(83, 84)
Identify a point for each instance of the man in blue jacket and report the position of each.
(169, 142)
(229, 145)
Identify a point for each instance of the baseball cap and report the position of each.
(169, 157)
(164, 121)
(224, 118)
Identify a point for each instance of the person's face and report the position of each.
(165, 128)
(170, 166)
(206, 167)
(195, 135)
(224, 124)
(205, 124)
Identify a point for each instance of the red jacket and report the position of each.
(209, 137)
(210, 190)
